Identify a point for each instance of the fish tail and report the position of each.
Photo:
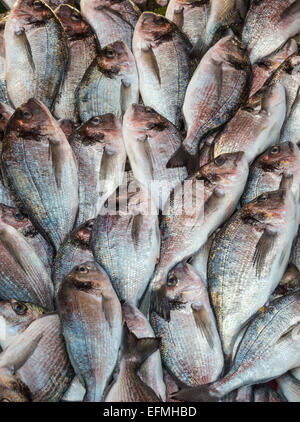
(139, 348)
(194, 394)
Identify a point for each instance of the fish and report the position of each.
(190, 345)
(150, 372)
(3, 89)
(109, 85)
(289, 387)
(265, 393)
(268, 350)
(200, 259)
(295, 254)
(100, 154)
(48, 372)
(126, 242)
(150, 141)
(12, 388)
(269, 170)
(23, 275)
(82, 49)
(35, 53)
(52, 3)
(75, 250)
(5, 114)
(128, 387)
(162, 54)
(291, 128)
(241, 395)
(13, 217)
(41, 169)
(111, 20)
(75, 391)
(264, 69)
(289, 282)
(247, 260)
(256, 126)
(17, 316)
(190, 16)
(91, 318)
(213, 193)
(205, 151)
(280, 22)
(218, 88)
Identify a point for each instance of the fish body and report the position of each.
(247, 260)
(91, 318)
(162, 54)
(291, 128)
(100, 154)
(40, 167)
(200, 259)
(110, 84)
(150, 141)
(289, 386)
(82, 51)
(35, 53)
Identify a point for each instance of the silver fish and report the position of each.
(289, 386)
(200, 259)
(291, 129)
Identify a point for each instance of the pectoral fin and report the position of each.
(203, 322)
(263, 248)
(150, 58)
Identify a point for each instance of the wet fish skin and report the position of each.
(289, 282)
(221, 182)
(36, 53)
(52, 3)
(45, 180)
(5, 114)
(75, 250)
(247, 260)
(100, 153)
(128, 387)
(3, 89)
(256, 126)
(111, 21)
(264, 69)
(16, 219)
(82, 48)
(189, 343)
(190, 16)
(219, 86)
(200, 259)
(110, 84)
(289, 387)
(290, 130)
(91, 318)
(126, 243)
(281, 22)
(22, 273)
(162, 54)
(150, 141)
(150, 372)
(268, 171)
(295, 254)
(17, 316)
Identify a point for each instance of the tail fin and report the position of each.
(159, 303)
(141, 348)
(194, 394)
(182, 158)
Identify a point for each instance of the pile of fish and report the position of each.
(150, 201)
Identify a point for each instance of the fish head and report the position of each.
(274, 208)
(13, 217)
(72, 21)
(12, 389)
(102, 128)
(83, 233)
(116, 59)
(226, 168)
(32, 118)
(152, 26)
(31, 11)
(284, 158)
(183, 285)
(17, 316)
(141, 118)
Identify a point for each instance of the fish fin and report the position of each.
(292, 331)
(286, 182)
(263, 247)
(148, 152)
(19, 351)
(14, 252)
(194, 394)
(136, 226)
(212, 203)
(203, 322)
(141, 348)
(152, 62)
(178, 17)
(291, 11)
(27, 48)
(159, 303)
(182, 158)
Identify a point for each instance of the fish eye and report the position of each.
(37, 5)
(262, 198)
(172, 281)
(219, 161)
(95, 120)
(275, 149)
(89, 225)
(76, 17)
(4, 399)
(27, 115)
(19, 308)
(81, 269)
(18, 216)
(110, 53)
